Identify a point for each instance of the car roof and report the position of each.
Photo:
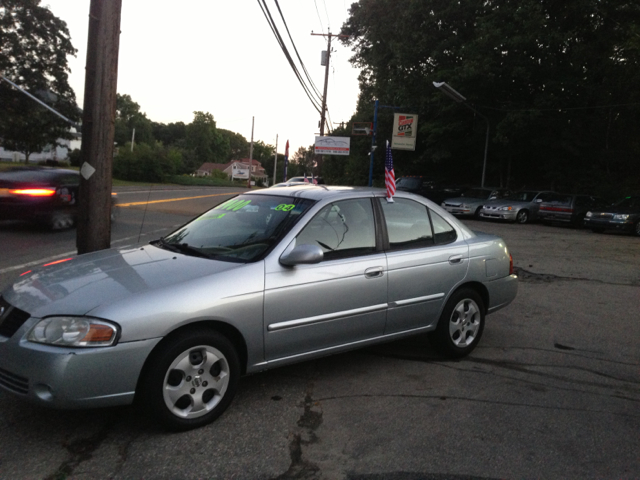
(34, 174)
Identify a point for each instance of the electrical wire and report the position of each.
(304, 68)
(318, 12)
(265, 10)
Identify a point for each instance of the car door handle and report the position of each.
(374, 272)
(453, 259)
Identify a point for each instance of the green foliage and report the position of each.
(128, 118)
(146, 163)
(34, 45)
(557, 80)
(204, 140)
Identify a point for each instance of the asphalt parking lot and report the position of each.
(551, 392)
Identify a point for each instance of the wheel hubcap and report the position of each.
(464, 323)
(196, 382)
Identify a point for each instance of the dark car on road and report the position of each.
(623, 215)
(568, 208)
(43, 195)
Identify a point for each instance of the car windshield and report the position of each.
(239, 230)
(629, 202)
(409, 183)
(522, 196)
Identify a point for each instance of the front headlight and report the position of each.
(506, 208)
(589, 214)
(621, 216)
(74, 332)
(464, 205)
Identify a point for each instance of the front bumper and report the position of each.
(509, 215)
(458, 210)
(72, 377)
(609, 224)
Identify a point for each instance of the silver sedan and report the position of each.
(172, 325)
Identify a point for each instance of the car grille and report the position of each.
(11, 319)
(603, 216)
(13, 382)
(451, 204)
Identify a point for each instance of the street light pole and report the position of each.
(457, 97)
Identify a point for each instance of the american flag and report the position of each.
(306, 180)
(389, 175)
(314, 179)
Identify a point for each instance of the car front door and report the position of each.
(425, 261)
(338, 301)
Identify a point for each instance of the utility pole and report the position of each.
(275, 161)
(323, 112)
(98, 125)
(251, 153)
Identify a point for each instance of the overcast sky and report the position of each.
(221, 57)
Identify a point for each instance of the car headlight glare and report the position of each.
(589, 214)
(621, 216)
(74, 332)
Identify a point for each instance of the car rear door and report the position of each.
(425, 262)
(342, 299)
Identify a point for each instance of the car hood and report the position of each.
(506, 203)
(80, 284)
(617, 210)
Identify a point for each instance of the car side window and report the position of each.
(342, 229)
(408, 224)
(443, 231)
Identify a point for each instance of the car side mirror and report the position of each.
(302, 255)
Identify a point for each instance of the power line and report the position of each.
(297, 54)
(318, 12)
(276, 33)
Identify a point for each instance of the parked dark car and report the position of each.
(43, 195)
(434, 190)
(568, 208)
(623, 215)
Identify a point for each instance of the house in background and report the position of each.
(236, 169)
(59, 152)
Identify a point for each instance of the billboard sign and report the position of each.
(405, 128)
(240, 172)
(332, 145)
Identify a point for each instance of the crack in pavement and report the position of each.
(81, 450)
(526, 276)
(308, 422)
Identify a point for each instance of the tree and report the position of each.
(238, 145)
(34, 44)
(204, 140)
(557, 80)
(128, 118)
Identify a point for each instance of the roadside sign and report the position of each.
(405, 128)
(332, 145)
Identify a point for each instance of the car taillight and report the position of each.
(511, 272)
(34, 192)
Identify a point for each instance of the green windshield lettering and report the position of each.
(235, 205)
(285, 207)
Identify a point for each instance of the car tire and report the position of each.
(61, 220)
(190, 379)
(461, 324)
(636, 229)
(477, 214)
(522, 216)
(597, 230)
